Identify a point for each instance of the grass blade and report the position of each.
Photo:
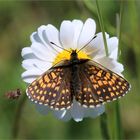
(103, 120)
(102, 27)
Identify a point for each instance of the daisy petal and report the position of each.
(42, 109)
(96, 47)
(30, 75)
(67, 116)
(29, 79)
(27, 53)
(94, 112)
(52, 35)
(111, 64)
(26, 50)
(113, 47)
(27, 65)
(67, 34)
(77, 112)
(118, 67)
(42, 52)
(77, 24)
(59, 114)
(35, 63)
(87, 33)
(35, 38)
(41, 34)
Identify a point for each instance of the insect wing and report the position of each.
(52, 89)
(99, 85)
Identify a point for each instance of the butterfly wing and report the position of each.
(52, 88)
(99, 85)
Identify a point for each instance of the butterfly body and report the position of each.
(75, 83)
(84, 80)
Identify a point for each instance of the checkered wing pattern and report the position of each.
(99, 85)
(52, 89)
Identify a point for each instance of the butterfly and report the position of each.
(83, 80)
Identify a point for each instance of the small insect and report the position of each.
(83, 80)
(15, 94)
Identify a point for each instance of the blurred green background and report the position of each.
(18, 19)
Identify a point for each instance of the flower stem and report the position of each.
(119, 23)
(17, 117)
(103, 120)
(119, 134)
(104, 127)
(102, 27)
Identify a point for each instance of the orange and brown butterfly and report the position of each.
(84, 80)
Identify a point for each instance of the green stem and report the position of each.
(15, 128)
(103, 120)
(103, 126)
(119, 134)
(119, 23)
(102, 27)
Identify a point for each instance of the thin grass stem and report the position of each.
(104, 126)
(119, 131)
(102, 27)
(16, 124)
(119, 23)
(103, 120)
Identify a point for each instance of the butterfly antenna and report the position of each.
(87, 43)
(59, 47)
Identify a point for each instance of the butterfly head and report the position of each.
(73, 55)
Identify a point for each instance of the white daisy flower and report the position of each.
(42, 55)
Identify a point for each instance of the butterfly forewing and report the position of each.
(100, 85)
(52, 89)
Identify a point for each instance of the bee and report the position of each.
(14, 94)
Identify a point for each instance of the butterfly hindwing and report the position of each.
(85, 95)
(101, 85)
(52, 89)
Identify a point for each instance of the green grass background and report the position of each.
(18, 19)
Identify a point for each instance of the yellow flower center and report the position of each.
(64, 55)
